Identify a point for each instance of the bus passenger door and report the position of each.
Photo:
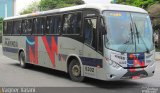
(90, 46)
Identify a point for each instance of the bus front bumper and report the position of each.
(121, 73)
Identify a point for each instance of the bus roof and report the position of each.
(100, 7)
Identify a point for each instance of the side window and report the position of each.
(34, 31)
(67, 23)
(23, 26)
(78, 23)
(26, 26)
(49, 23)
(57, 24)
(101, 31)
(90, 27)
(72, 23)
(16, 27)
(38, 26)
(9, 27)
(53, 24)
(5, 28)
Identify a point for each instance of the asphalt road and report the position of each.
(12, 75)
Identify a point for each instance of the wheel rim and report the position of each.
(76, 70)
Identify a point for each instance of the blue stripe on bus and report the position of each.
(30, 42)
(12, 50)
(92, 62)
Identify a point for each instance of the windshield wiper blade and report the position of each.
(128, 41)
(139, 35)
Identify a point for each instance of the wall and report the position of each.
(10, 8)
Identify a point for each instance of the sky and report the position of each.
(21, 4)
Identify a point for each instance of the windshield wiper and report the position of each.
(139, 35)
(128, 41)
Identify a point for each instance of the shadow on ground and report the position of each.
(121, 84)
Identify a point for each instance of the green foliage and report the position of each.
(50, 4)
(154, 12)
(139, 3)
(31, 8)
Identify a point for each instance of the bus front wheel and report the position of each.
(75, 71)
(22, 60)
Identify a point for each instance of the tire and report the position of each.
(75, 71)
(22, 60)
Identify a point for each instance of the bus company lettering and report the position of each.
(10, 43)
(120, 57)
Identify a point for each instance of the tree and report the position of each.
(50, 4)
(139, 3)
(154, 12)
(31, 8)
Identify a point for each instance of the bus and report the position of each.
(100, 41)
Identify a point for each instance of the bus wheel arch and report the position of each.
(74, 62)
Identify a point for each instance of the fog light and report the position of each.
(111, 76)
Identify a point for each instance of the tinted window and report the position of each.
(35, 21)
(27, 27)
(53, 24)
(16, 27)
(72, 23)
(100, 35)
(5, 28)
(90, 25)
(41, 25)
(9, 27)
(38, 25)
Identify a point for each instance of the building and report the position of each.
(7, 8)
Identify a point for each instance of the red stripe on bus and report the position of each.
(51, 51)
(33, 56)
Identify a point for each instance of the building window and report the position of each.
(72, 23)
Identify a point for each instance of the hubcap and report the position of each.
(76, 70)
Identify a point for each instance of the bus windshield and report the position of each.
(128, 32)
